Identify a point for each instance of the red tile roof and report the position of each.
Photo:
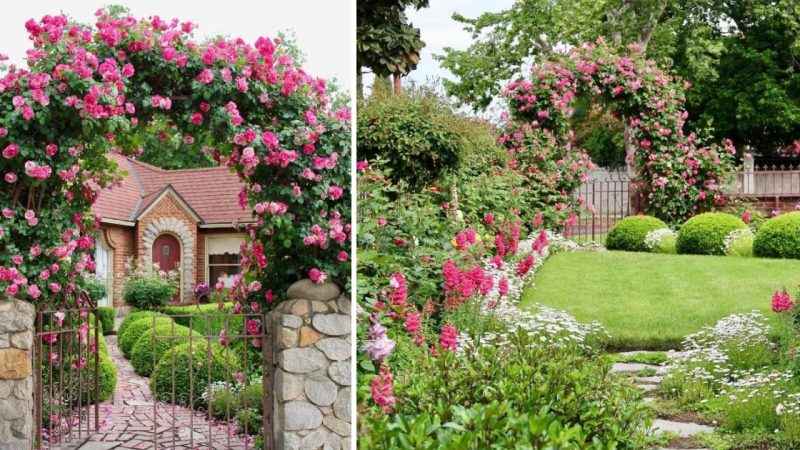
(212, 193)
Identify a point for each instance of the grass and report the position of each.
(651, 301)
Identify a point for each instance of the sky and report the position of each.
(439, 30)
(323, 28)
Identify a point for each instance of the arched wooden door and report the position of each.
(167, 253)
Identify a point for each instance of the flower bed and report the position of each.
(742, 374)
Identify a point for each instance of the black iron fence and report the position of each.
(606, 200)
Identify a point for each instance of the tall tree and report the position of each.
(387, 43)
(505, 41)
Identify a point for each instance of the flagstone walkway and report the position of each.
(127, 419)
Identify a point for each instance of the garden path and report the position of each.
(127, 419)
(683, 429)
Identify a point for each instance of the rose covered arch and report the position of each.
(96, 89)
(677, 177)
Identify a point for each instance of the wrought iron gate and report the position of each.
(66, 359)
(213, 387)
(606, 201)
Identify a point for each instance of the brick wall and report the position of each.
(169, 208)
(122, 241)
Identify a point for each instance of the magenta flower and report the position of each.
(782, 302)
(449, 337)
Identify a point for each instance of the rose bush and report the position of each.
(90, 90)
(677, 176)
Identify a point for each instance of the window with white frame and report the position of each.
(222, 258)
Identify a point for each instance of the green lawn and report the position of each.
(651, 301)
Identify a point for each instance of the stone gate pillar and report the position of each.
(312, 357)
(16, 374)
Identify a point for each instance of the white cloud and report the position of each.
(323, 28)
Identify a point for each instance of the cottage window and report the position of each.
(223, 259)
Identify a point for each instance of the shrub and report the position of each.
(202, 368)
(143, 349)
(779, 237)
(148, 292)
(107, 380)
(250, 421)
(629, 233)
(206, 319)
(661, 241)
(739, 243)
(107, 316)
(149, 289)
(599, 408)
(95, 287)
(133, 317)
(135, 330)
(416, 133)
(705, 234)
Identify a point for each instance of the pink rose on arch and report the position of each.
(8, 213)
(253, 327)
(335, 192)
(10, 151)
(342, 256)
(11, 177)
(33, 291)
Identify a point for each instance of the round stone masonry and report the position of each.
(312, 379)
(16, 374)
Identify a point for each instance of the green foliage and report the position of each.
(96, 288)
(654, 358)
(779, 237)
(628, 234)
(600, 134)
(386, 42)
(250, 421)
(705, 233)
(208, 319)
(188, 365)
(107, 316)
(134, 331)
(133, 317)
(740, 244)
(149, 291)
(485, 397)
(416, 133)
(146, 348)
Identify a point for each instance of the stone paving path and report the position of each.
(649, 385)
(127, 420)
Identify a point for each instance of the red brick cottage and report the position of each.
(178, 218)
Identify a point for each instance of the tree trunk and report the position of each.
(359, 86)
(397, 87)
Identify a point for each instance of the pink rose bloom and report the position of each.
(8, 213)
(335, 192)
(746, 217)
(342, 256)
(11, 177)
(34, 291)
(381, 221)
(362, 165)
(10, 151)
(196, 119)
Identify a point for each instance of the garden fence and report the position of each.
(608, 198)
(66, 361)
(246, 359)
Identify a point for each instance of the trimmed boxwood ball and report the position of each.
(135, 330)
(779, 237)
(629, 233)
(133, 317)
(705, 233)
(106, 314)
(142, 353)
(179, 360)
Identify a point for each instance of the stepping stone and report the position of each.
(631, 367)
(682, 429)
(647, 387)
(100, 445)
(138, 403)
(648, 380)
